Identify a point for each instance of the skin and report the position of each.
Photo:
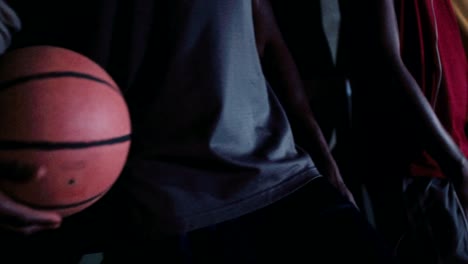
(287, 83)
(376, 47)
(19, 218)
(283, 74)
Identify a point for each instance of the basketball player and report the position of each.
(410, 113)
(225, 166)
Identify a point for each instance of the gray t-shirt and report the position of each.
(215, 144)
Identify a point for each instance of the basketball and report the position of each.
(62, 111)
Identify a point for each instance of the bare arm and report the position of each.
(282, 73)
(374, 61)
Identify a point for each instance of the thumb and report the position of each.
(17, 172)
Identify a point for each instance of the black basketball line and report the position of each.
(60, 206)
(49, 145)
(48, 75)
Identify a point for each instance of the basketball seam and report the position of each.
(57, 74)
(50, 145)
(61, 206)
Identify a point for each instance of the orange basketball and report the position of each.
(61, 110)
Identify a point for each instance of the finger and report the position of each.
(41, 171)
(25, 215)
(18, 172)
(351, 199)
(29, 229)
(355, 204)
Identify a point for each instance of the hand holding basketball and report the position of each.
(61, 111)
(17, 217)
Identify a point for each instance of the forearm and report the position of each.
(430, 132)
(434, 137)
(374, 65)
(398, 99)
(283, 75)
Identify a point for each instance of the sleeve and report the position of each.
(9, 24)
